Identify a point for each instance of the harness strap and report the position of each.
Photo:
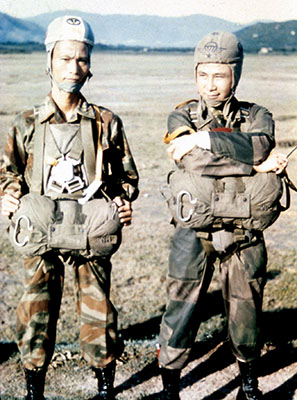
(88, 146)
(220, 185)
(38, 155)
(94, 166)
(92, 161)
(99, 156)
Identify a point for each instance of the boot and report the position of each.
(35, 383)
(249, 387)
(170, 379)
(105, 378)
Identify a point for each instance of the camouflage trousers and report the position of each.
(38, 310)
(191, 268)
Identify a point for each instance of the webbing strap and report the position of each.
(99, 156)
(92, 161)
(38, 156)
(221, 184)
(88, 147)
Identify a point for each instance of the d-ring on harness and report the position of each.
(179, 205)
(17, 231)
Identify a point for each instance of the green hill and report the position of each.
(265, 37)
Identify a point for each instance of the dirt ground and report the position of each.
(140, 266)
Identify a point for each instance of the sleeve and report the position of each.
(120, 172)
(13, 160)
(178, 123)
(179, 119)
(251, 147)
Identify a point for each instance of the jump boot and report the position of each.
(249, 383)
(170, 379)
(105, 378)
(35, 379)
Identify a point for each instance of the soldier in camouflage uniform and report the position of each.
(236, 138)
(69, 124)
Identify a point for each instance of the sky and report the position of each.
(241, 11)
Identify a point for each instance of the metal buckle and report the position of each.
(179, 205)
(74, 185)
(63, 178)
(55, 186)
(17, 230)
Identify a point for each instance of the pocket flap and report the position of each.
(231, 205)
(70, 236)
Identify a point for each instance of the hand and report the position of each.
(10, 203)
(182, 145)
(125, 210)
(275, 162)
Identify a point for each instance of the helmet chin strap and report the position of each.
(219, 103)
(70, 87)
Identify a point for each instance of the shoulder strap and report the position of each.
(91, 164)
(185, 102)
(245, 107)
(38, 155)
(93, 157)
(99, 155)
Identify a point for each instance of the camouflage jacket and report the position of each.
(242, 135)
(120, 175)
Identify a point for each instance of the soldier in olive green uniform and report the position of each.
(52, 151)
(217, 135)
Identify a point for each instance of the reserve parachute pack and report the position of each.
(41, 224)
(211, 203)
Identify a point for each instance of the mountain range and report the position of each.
(15, 30)
(146, 30)
(156, 32)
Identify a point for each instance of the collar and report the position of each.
(230, 111)
(49, 110)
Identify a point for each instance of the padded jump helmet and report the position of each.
(223, 48)
(68, 28)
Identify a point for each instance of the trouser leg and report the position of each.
(244, 277)
(38, 310)
(190, 272)
(99, 340)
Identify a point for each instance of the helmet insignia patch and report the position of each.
(210, 49)
(73, 21)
